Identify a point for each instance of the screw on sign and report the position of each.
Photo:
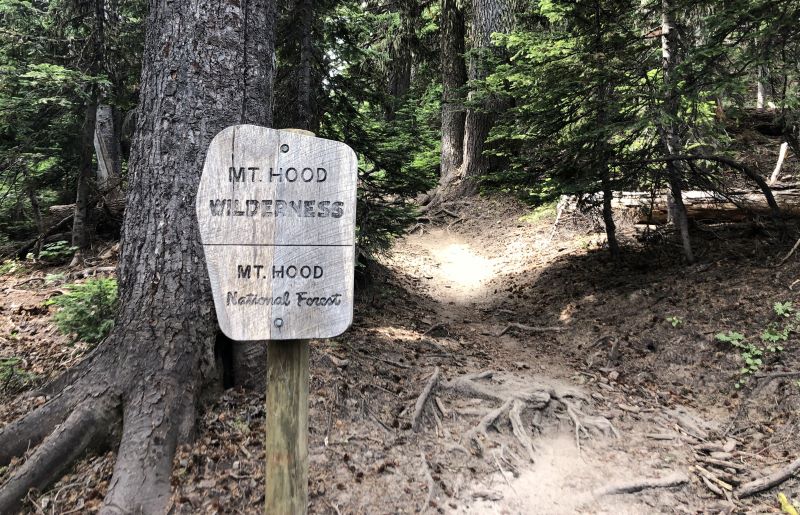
(276, 210)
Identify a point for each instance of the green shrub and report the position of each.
(14, 379)
(87, 310)
(56, 253)
(777, 332)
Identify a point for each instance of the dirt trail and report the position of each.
(462, 274)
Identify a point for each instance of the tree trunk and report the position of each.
(207, 65)
(80, 221)
(401, 56)
(670, 136)
(297, 83)
(602, 146)
(109, 154)
(488, 17)
(454, 80)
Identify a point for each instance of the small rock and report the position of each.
(613, 375)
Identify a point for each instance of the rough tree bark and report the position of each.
(488, 17)
(207, 65)
(454, 80)
(670, 136)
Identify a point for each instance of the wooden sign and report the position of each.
(276, 211)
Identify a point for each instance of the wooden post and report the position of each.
(287, 428)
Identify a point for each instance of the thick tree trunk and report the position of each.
(670, 136)
(454, 80)
(488, 17)
(207, 65)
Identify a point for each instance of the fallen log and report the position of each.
(643, 207)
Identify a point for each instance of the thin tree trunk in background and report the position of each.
(80, 221)
(761, 88)
(670, 136)
(298, 82)
(30, 190)
(401, 56)
(454, 80)
(109, 154)
(602, 145)
(304, 110)
(608, 214)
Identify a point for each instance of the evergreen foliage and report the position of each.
(87, 310)
(577, 89)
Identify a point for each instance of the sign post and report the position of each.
(276, 211)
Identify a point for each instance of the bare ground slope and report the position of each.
(531, 331)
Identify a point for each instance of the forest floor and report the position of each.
(527, 330)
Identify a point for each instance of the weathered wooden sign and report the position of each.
(277, 220)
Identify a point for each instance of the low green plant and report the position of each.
(54, 278)
(10, 266)
(87, 310)
(56, 252)
(675, 321)
(543, 212)
(13, 378)
(771, 339)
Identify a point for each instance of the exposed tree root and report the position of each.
(530, 329)
(674, 479)
(516, 397)
(155, 412)
(27, 432)
(514, 414)
(85, 428)
(768, 481)
(422, 399)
